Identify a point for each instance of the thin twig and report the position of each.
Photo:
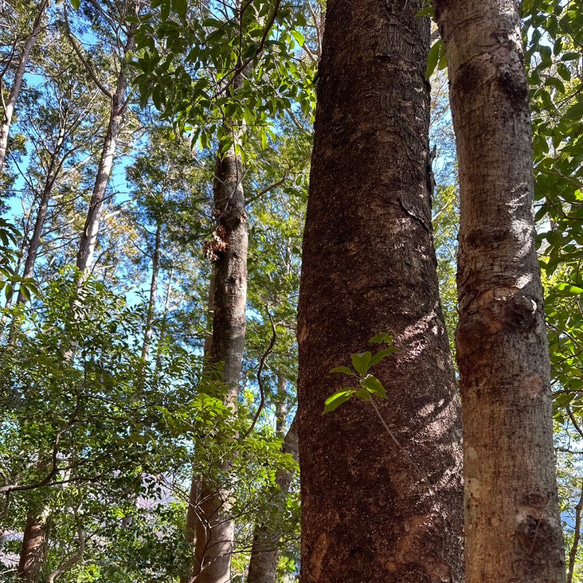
(262, 361)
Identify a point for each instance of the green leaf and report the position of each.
(299, 37)
(382, 338)
(372, 384)
(426, 12)
(571, 289)
(363, 394)
(381, 355)
(361, 362)
(433, 58)
(180, 7)
(342, 370)
(335, 400)
(76, 4)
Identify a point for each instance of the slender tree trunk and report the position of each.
(41, 215)
(513, 528)
(17, 82)
(164, 322)
(88, 239)
(192, 512)
(33, 549)
(215, 529)
(265, 551)
(369, 266)
(153, 292)
(576, 538)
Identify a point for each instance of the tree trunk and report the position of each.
(369, 266)
(153, 292)
(17, 82)
(215, 528)
(192, 511)
(88, 239)
(41, 215)
(576, 538)
(265, 551)
(32, 551)
(513, 528)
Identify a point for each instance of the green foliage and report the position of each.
(362, 362)
(210, 70)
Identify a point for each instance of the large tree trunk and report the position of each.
(513, 528)
(17, 81)
(369, 266)
(215, 527)
(33, 549)
(265, 550)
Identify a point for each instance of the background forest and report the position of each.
(116, 413)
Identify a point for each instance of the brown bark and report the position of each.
(192, 511)
(17, 82)
(513, 529)
(368, 267)
(32, 551)
(265, 550)
(215, 527)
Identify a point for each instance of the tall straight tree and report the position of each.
(123, 34)
(513, 526)
(22, 62)
(368, 267)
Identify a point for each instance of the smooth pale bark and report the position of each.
(513, 528)
(368, 267)
(215, 526)
(576, 538)
(33, 549)
(88, 239)
(17, 81)
(265, 550)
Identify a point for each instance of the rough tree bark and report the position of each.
(369, 266)
(513, 528)
(265, 551)
(215, 527)
(33, 549)
(17, 81)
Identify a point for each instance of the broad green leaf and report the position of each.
(382, 338)
(381, 355)
(363, 394)
(372, 384)
(299, 37)
(335, 400)
(361, 362)
(433, 58)
(342, 370)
